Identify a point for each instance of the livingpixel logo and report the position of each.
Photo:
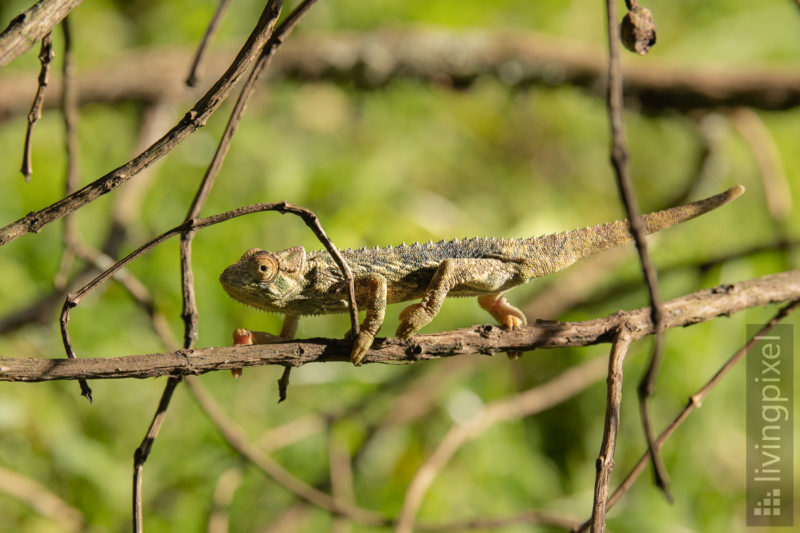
(770, 424)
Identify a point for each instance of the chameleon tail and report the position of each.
(557, 251)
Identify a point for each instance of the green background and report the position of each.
(405, 162)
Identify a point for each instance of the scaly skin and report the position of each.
(296, 283)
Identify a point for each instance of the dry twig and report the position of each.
(535, 400)
(605, 461)
(213, 25)
(194, 119)
(449, 59)
(69, 112)
(695, 401)
(619, 160)
(32, 25)
(42, 499)
(234, 436)
(777, 192)
(45, 58)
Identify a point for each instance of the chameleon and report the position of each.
(299, 283)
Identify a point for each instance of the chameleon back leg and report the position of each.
(487, 275)
(505, 313)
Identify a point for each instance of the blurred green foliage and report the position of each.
(402, 163)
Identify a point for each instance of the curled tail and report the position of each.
(552, 253)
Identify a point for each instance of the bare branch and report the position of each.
(194, 119)
(517, 60)
(32, 25)
(693, 308)
(695, 401)
(69, 112)
(233, 435)
(768, 157)
(619, 160)
(605, 461)
(535, 400)
(42, 499)
(143, 451)
(213, 25)
(45, 58)
(498, 523)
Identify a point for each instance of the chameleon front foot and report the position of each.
(361, 344)
(241, 337)
(245, 337)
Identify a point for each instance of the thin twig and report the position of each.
(134, 287)
(194, 119)
(605, 461)
(700, 267)
(190, 315)
(502, 522)
(32, 25)
(234, 436)
(45, 58)
(619, 160)
(213, 25)
(768, 157)
(695, 401)
(41, 498)
(723, 300)
(189, 306)
(532, 401)
(341, 475)
(227, 483)
(125, 212)
(69, 111)
(143, 451)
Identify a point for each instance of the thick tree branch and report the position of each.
(455, 59)
(700, 306)
(32, 25)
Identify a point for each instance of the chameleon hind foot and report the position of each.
(505, 313)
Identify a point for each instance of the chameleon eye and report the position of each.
(265, 266)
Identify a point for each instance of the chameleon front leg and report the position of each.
(480, 274)
(246, 337)
(371, 290)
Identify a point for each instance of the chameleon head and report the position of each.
(264, 279)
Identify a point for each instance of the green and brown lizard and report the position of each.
(296, 283)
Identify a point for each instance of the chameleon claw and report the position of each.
(513, 322)
(357, 355)
(362, 343)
